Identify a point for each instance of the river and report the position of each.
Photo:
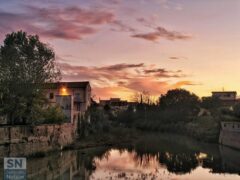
(161, 156)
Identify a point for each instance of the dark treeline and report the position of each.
(178, 111)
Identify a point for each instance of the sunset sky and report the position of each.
(126, 46)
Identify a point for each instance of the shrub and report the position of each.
(54, 114)
(228, 111)
(94, 121)
(236, 110)
(211, 102)
(107, 108)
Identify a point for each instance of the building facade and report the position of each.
(228, 98)
(73, 97)
(225, 95)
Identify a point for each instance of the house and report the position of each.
(73, 97)
(225, 95)
(228, 98)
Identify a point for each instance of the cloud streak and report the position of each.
(161, 32)
(119, 26)
(63, 23)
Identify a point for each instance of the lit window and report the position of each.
(63, 91)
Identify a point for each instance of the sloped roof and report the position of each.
(82, 84)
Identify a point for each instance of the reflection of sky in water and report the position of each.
(126, 165)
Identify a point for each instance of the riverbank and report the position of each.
(115, 136)
(121, 136)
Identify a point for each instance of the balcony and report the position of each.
(79, 99)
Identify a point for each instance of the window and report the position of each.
(78, 106)
(51, 95)
(77, 95)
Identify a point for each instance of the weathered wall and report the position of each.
(231, 139)
(230, 134)
(25, 140)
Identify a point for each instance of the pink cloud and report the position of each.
(62, 23)
(161, 32)
(124, 79)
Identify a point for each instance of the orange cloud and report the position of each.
(184, 83)
(122, 80)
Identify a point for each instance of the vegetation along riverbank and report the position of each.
(179, 111)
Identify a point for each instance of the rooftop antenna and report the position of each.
(223, 89)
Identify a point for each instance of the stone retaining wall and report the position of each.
(25, 140)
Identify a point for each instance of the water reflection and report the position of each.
(164, 157)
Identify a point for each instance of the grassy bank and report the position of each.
(112, 137)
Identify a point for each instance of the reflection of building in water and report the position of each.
(67, 165)
(102, 162)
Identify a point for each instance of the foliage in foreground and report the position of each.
(50, 115)
(25, 65)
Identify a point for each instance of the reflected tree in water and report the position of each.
(179, 163)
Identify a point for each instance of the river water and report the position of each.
(159, 156)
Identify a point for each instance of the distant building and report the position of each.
(227, 97)
(113, 102)
(73, 97)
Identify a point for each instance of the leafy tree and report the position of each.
(179, 105)
(179, 163)
(25, 65)
(236, 110)
(211, 102)
(179, 98)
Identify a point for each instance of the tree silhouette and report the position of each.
(25, 65)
